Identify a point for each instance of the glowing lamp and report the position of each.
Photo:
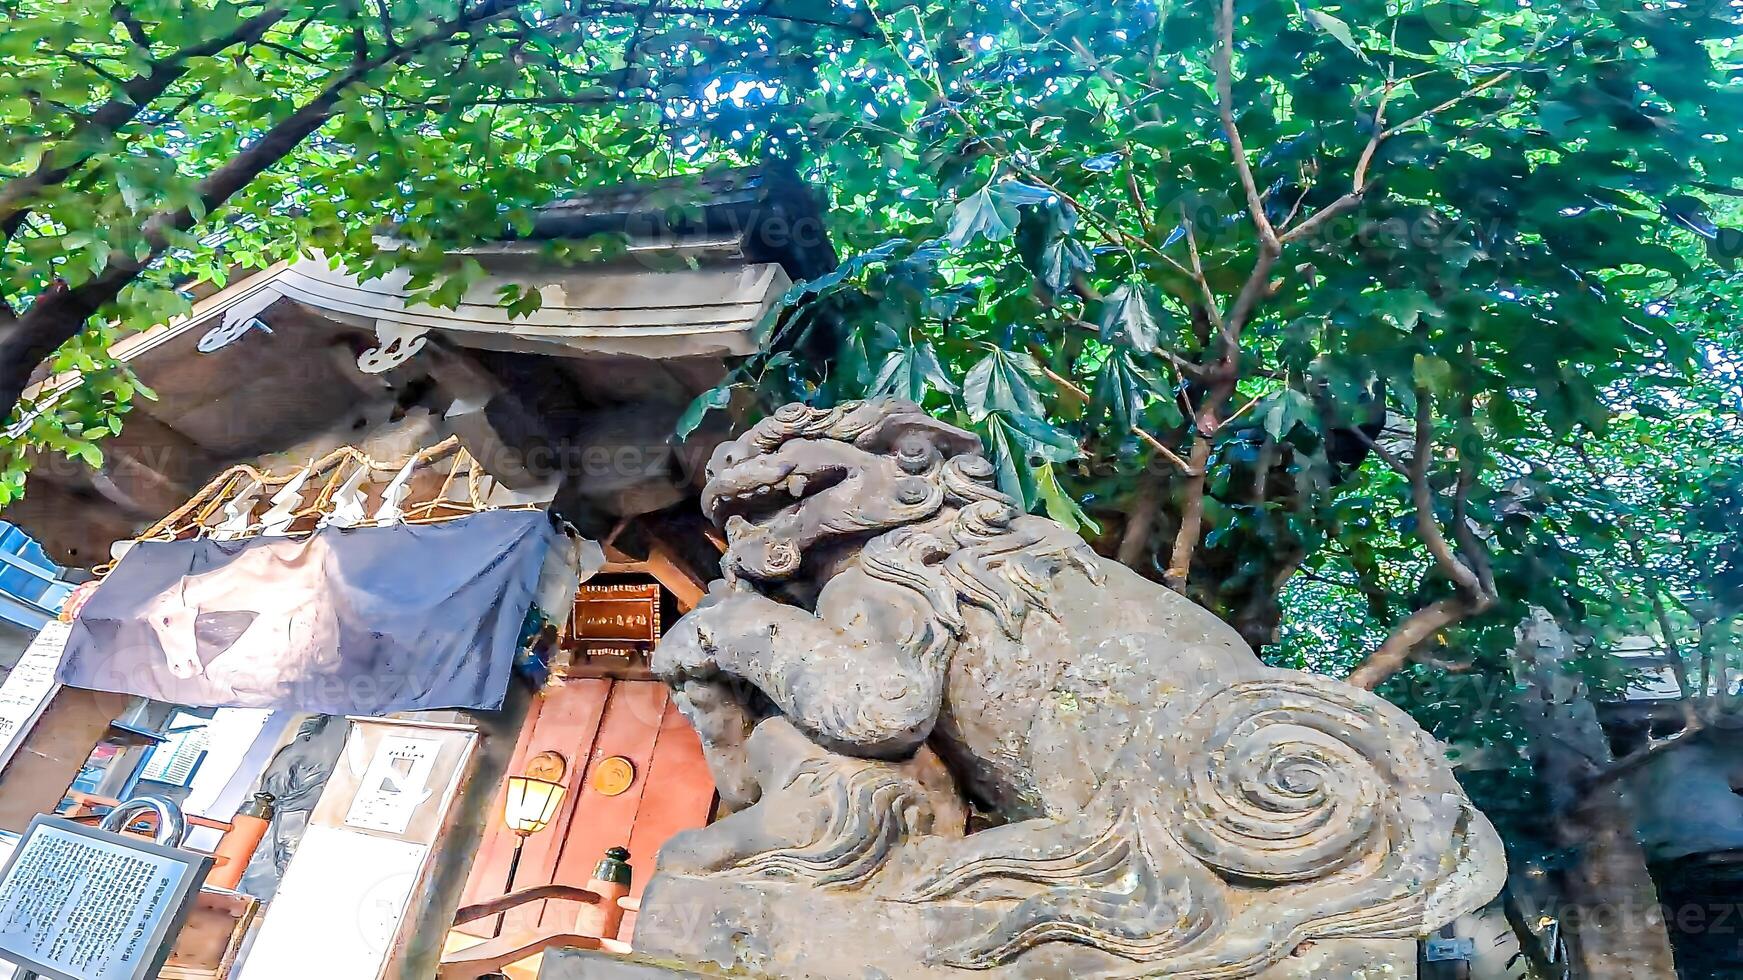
(531, 804)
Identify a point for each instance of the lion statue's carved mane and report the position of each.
(894, 643)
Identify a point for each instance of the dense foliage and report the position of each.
(1368, 325)
(151, 146)
(1259, 292)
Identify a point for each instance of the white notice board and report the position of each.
(343, 905)
(8, 840)
(29, 686)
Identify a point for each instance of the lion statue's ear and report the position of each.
(906, 420)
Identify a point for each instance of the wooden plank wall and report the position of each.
(588, 721)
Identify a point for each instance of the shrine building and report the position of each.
(375, 584)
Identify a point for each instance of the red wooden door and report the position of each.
(587, 722)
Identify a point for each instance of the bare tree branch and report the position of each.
(1691, 732)
(1422, 496)
(1477, 89)
(1191, 515)
(1141, 513)
(1166, 453)
(1474, 595)
(1225, 101)
(1475, 552)
(1212, 309)
(1391, 656)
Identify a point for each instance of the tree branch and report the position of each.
(1191, 515)
(1477, 89)
(290, 52)
(1141, 518)
(1391, 656)
(385, 19)
(1629, 763)
(1225, 92)
(123, 15)
(1386, 455)
(1382, 133)
(1422, 496)
(434, 105)
(1476, 553)
(1247, 300)
(96, 69)
(1358, 180)
(58, 315)
(725, 13)
(100, 125)
(1211, 307)
(1475, 592)
(1166, 453)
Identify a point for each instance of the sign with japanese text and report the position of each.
(79, 903)
(620, 620)
(29, 686)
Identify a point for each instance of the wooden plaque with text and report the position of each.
(615, 620)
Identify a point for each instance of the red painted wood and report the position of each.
(569, 725)
(679, 797)
(490, 867)
(633, 718)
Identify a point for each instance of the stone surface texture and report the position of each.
(896, 654)
(1344, 959)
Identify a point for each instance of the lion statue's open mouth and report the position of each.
(805, 475)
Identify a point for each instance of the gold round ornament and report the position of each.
(613, 776)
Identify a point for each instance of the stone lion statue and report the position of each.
(895, 646)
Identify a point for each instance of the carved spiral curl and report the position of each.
(847, 422)
(1289, 780)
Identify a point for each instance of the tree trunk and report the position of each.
(1610, 913)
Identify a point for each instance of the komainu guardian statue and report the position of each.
(961, 744)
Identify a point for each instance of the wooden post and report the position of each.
(611, 879)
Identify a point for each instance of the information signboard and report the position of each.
(79, 903)
(29, 686)
(366, 856)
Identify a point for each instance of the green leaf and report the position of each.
(1003, 382)
(1336, 28)
(1127, 320)
(910, 372)
(1011, 472)
(1041, 440)
(1019, 446)
(826, 283)
(1058, 504)
(1123, 390)
(1433, 373)
(708, 401)
(982, 214)
(1061, 261)
(1283, 410)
